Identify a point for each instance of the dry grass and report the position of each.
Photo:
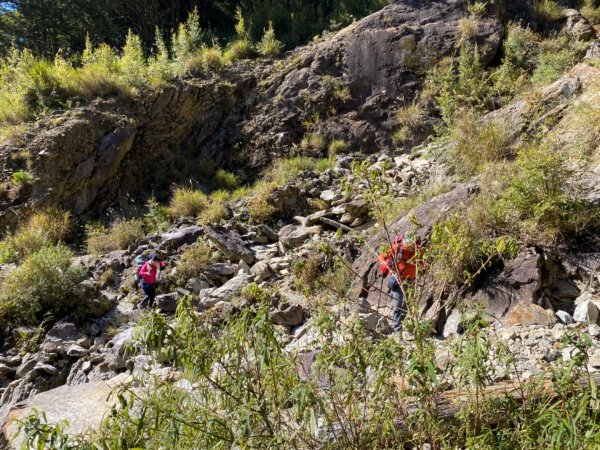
(187, 202)
(120, 235)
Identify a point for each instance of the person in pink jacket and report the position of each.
(149, 273)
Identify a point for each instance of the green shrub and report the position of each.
(547, 10)
(259, 208)
(238, 49)
(132, 63)
(44, 283)
(195, 259)
(591, 11)
(456, 87)
(555, 58)
(216, 210)
(313, 141)
(187, 202)
(543, 198)
(338, 147)
(212, 58)
(269, 45)
(476, 143)
(285, 170)
(401, 136)
(156, 219)
(120, 235)
(188, 38)
(43, 229)
(225, 180)
(477, 8)
(20, 177)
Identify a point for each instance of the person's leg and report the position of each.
(151, 294)
(146, 288)
(398, 306)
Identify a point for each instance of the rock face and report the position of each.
(94, 156)
(84, 406)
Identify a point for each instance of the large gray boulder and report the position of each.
(230, 243)
(84, 407)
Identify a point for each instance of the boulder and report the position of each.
(586, 312)
(84, 407)
(181, 237)
(28, 365)
(357, 208)
(230, 243)
(565, 317)
(292, 236)
(578, 26)
(197, 284)
(219, 270)
(291, 316)
(376, 322)
(262, 252)
(519, 282)
(226, 292)
(453, 323)
(261, 271)
(527, 314)
(118, 350)
(76, 351)
(168, 302)
(63, 331)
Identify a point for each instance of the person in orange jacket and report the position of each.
(404, 252)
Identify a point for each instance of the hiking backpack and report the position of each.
(386, 259)
(139, 261)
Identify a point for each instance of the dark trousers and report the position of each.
(398, 303)
(149, 294)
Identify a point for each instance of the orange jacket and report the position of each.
(406, 260)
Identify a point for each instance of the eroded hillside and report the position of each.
(272, 327)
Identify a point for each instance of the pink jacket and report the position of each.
(149, 271)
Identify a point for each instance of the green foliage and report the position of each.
(476, 143)
(41, 435)
(225, 180)
(269, 45)
(543, 197)
(132, 63)
(21, 177)
(556, 56)
(118, 236)
(313, 141)
(187, 39)
(195, 259)
(238, 49)
(43, 229)
(187, 202)
(457, 251)
(44, 283)
(548, 10)
(216, 209)
(259, 208)
(591, 11)
(477, 8)
(465, 85)
(156, 218)
(338, 147)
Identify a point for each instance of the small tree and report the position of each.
(132, 63)
(269, 45)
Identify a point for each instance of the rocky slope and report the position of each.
(344, 86)
(96, 156)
